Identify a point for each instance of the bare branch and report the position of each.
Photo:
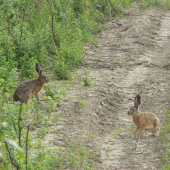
(9, 30)
(23, 18)
(26, 156)
(10, 156)
(53, 24)
(31, 22)
(19, 127)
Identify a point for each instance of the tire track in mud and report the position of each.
(132, 58)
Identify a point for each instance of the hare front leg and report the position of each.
(146, 133)
(140, 133)
(36, 95)
(26, 96)
(136, 131)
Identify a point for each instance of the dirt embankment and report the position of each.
(129, 59)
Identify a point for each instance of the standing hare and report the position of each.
(30, 87)
(144, 120)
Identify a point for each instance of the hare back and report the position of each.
(144, 120)
(32, 86)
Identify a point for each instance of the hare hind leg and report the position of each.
(157, 127)
(17, 97)
(25, 97)
(156, 131)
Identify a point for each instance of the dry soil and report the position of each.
(131, 58)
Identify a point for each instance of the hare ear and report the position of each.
(38, 68)
(137, 101)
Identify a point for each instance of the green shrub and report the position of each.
(62, 70)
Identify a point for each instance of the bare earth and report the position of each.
(130, 58)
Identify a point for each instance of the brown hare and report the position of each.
(144, 120)
(30, 87)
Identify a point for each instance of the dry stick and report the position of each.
(26, 156)
(139, 43)
(23, 18)
(48, 66)
(19, 119)
(10, 156)
(53, 28)
(117, 23)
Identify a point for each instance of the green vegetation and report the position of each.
(87, 78)
(164, 141)
(52, 33)
(155, 3)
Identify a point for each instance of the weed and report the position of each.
(115, 136)
(133, 65)
(119, 130)
(82, 104)
(42, 131)
(87, 78)
(99, 54)
(133, 129)
(87, 81)
(79, 156)
(90, 135)
(109, 148)
(55, 93)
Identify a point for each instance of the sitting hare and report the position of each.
(144, 120)
(30, 87)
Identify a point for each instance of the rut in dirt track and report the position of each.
(130, 59)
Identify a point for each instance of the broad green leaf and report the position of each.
(2, 134)
(15, 145)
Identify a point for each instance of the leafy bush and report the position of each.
(50, 32)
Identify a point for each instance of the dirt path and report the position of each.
(130, 59)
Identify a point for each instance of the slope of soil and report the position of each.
(129, 59)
